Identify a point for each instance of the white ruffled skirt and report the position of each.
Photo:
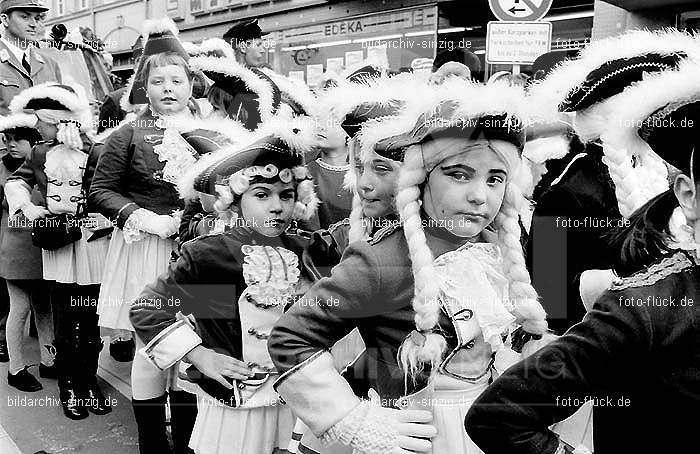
(79, 263)
(451, 400)
(220, 429)
(128, 269)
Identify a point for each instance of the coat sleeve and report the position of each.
(105, 191)
(300, 342)
(19, 185)
(153, 313)
(514, 413)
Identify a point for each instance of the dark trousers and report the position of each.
(78, 342)
(4, 308)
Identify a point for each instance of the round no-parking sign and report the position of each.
(520, 10)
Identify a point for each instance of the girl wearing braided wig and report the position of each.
(438, 333)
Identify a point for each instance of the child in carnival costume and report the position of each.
(637, 346)
(236, 284)
(439, 332)
(63, 168)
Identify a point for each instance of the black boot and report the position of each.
(72, 401)
(69, 368)
(96, 402)
(183, 412)
(150, 421)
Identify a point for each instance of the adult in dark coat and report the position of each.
(637, 351)
(573, 212)
(573, 216)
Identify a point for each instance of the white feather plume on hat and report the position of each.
(550, 92)
(294, 89)
(632, 108)
(230, 67)
(216, 47)
(18, 120)
(154, 26)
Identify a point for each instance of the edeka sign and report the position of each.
(343, 28)
(517, 42)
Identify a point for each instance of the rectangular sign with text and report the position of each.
(517, 43)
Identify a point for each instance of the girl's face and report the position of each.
(168, 89)
(18, 148)
(376, 185)
(466, 191)
(267, 208)
(47, 131)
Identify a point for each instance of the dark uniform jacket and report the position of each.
(636, 355)
(567, 235)
(209, 282)
(111, 112)
(371, 289)
(129, 173)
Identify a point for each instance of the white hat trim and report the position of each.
(154, 26)
(232, 68)
(550, 92)
(19, 120)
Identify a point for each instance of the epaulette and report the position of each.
(333, 227)
(384, 232)
(655, 272)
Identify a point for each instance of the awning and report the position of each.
(635, 5)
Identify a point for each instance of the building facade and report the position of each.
(308, 37)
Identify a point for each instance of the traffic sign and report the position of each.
(517, 43)
(520, 10)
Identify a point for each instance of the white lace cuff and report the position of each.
(133, 227)
(368, 429)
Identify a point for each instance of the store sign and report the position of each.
(378, 23)
(520, 10)
(343, 28)
(517, 43)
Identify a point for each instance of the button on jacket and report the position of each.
(129, 174)
(14, 78)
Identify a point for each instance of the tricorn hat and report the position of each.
(243, 31)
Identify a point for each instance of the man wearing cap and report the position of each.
(245, 38)
(20, 66)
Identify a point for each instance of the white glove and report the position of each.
(371, 429)
(34, 212)
(158, 224)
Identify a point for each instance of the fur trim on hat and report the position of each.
(216, 47)
(373, 62)
(185, 185)
(19, 120)
(295, 89)
(632, 108)
(300, 133)
(74, 102)
(191, 48)
(154, 26)
(546, 148)
(232, 68)
(549, 93)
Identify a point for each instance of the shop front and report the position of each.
(394, 39)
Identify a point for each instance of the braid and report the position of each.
(523, 297)
(359, 227)
(627, 188)
(412, 355)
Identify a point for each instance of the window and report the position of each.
(60, 7)
(83, 4)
